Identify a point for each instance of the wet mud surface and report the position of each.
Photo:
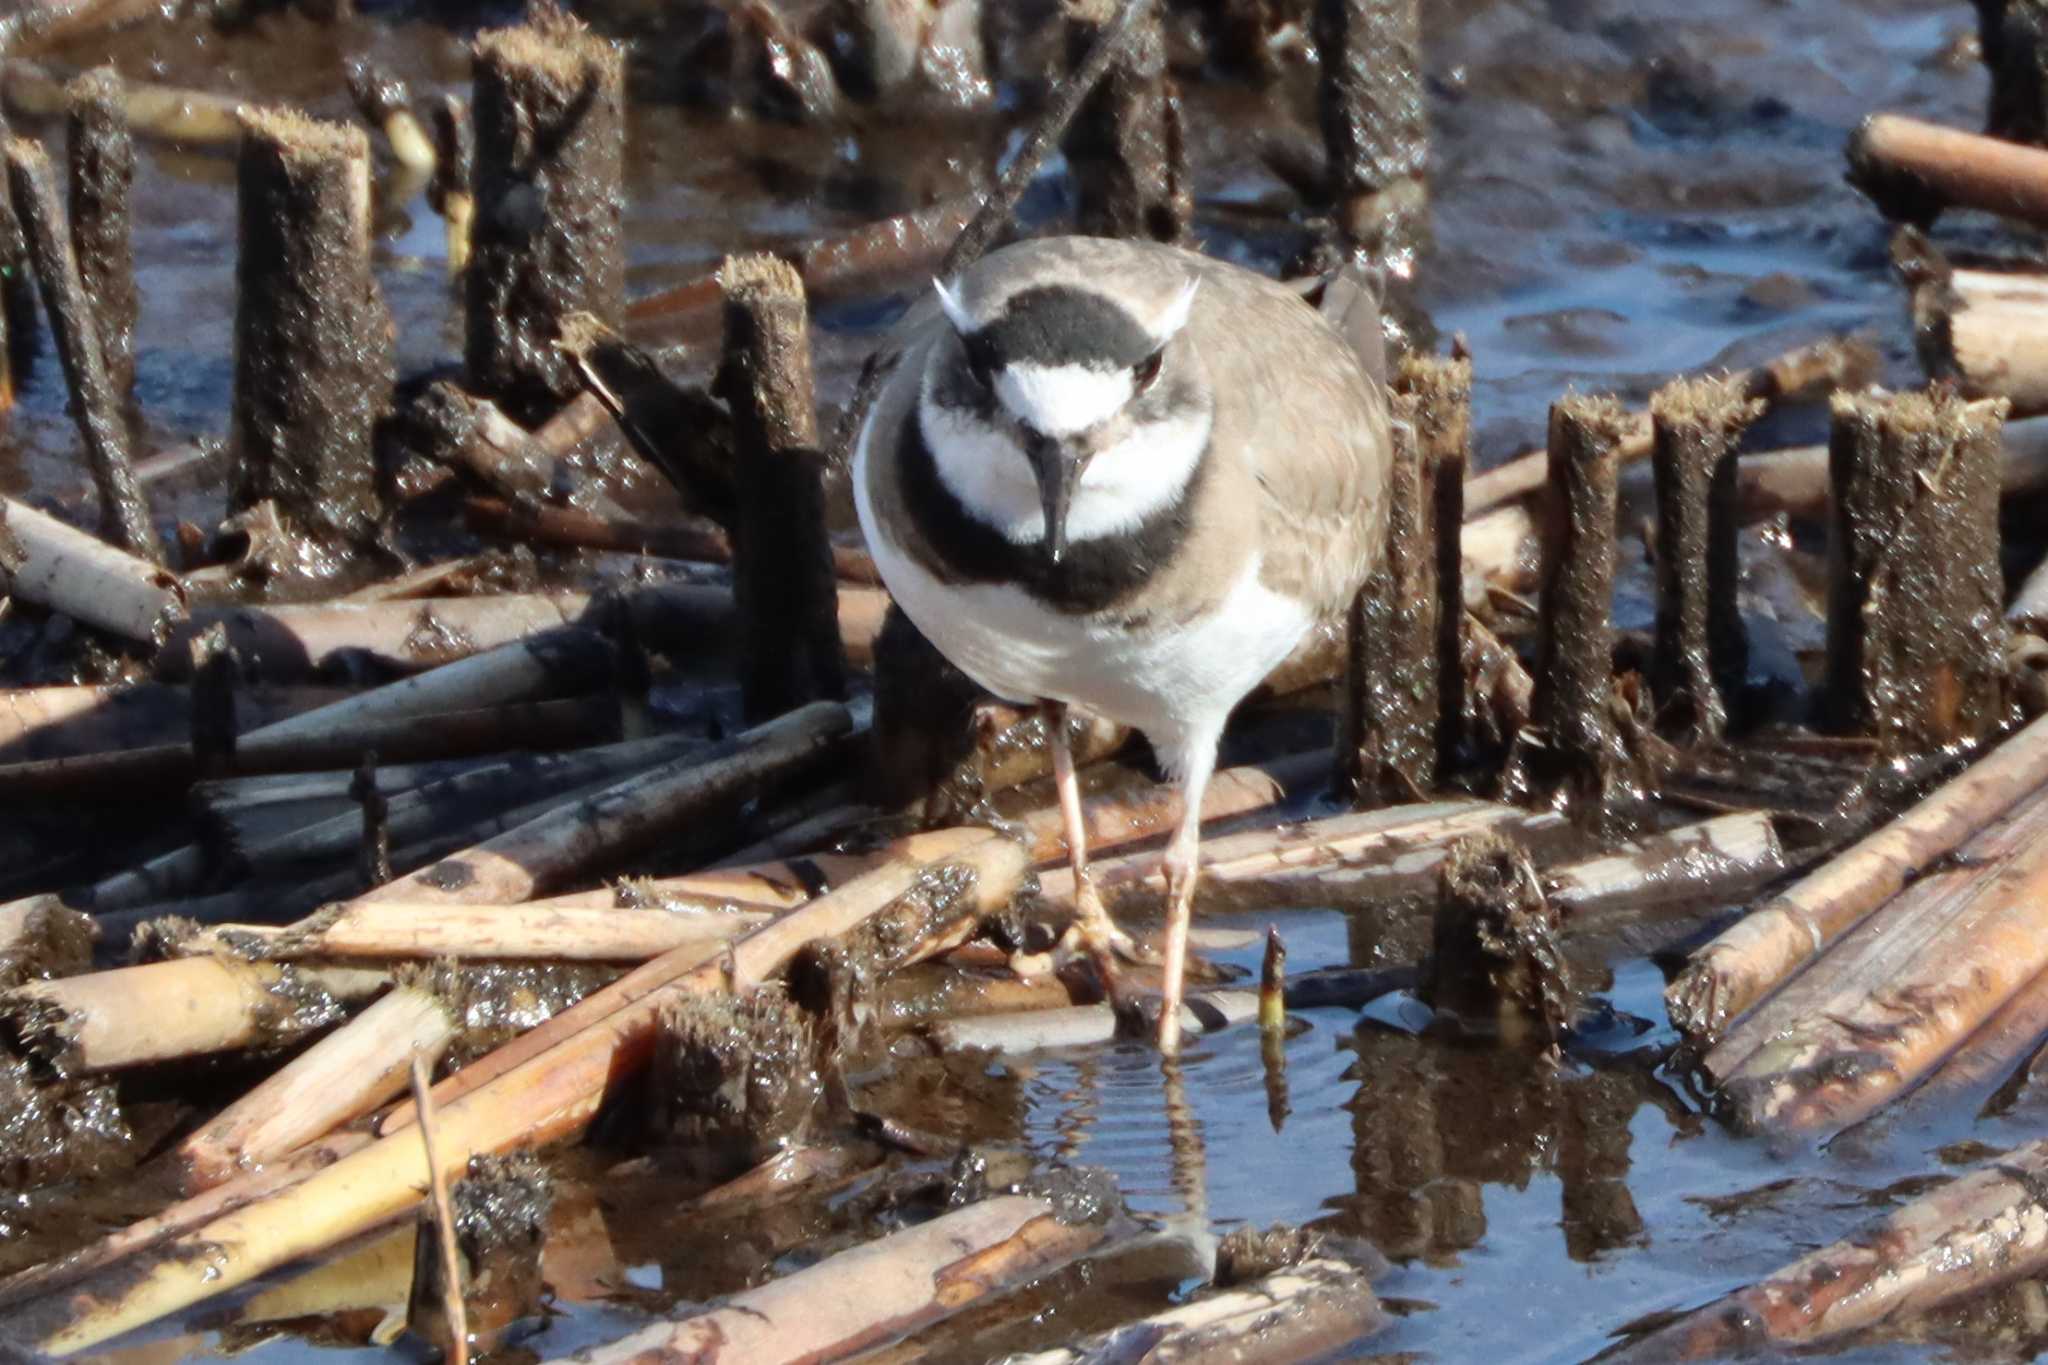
(1621, 191)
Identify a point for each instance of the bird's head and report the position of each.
(1060, 412)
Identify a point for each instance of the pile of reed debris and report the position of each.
(393, 880)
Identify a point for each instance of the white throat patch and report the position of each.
(1124, 484)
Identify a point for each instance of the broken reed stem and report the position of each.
(1441, 390)
(622, 818)
(1582, 754)
(102, 177)
(1885, 1025)
(1915, 590)
(1912, 170)
(2012, 36)
(1387, 746)
(380, 931)
(901, 1283)
(58, 567)
(1112, 45)
(451, 192)
(96, 406)
(548, 109)
(1701, 651)
(385, 103)
(313, 339)
(163, 1011)
(344, 1076)
(553, 1088)
(1763, 949)
(783, 579)
(1125, 148)
(1494, 962)
(453, 1307)
(1968, 1235)
(1375, 118)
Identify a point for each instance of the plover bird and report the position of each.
(1130, 478)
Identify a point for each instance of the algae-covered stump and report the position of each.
(549, 115)
(788, 594)
(1701, 650)
(1915, 636)
(102, 177)
(1126, 148)
(1375, 121)
(94, 404)
(313, 340)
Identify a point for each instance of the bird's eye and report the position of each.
(1147, 370)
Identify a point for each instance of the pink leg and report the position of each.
(1093, 927)
(1182, 865)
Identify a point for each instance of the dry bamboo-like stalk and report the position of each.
(452, 190)
(188, 1007)
(1971, 1234)
(783, 578)
(1702, 651)
(1915, 650)
(547, 240)
(874, 1294)
(1397, 846)
(384, 101)
(164, 112)
(342, 1077)
(1307, 1312)
(1716, 859)
(1979, 329)
(1765, 947)
(552, 1088)
(53, 565)
(558, 663)
(313, 339)
(1913, 170)
(1795, 480)
(297, 640)
(1805, 371)
(102, 165)
(96, 404)
(379, 930)
(857, 899)
(619, 819)
(1879, 1035)
(580, 529)
(1124, 817)
(454, 1311)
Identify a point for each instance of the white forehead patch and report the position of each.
(1060, 400)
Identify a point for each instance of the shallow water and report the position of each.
(1622, 190)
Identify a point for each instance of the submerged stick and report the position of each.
(549, 115)
(313, 339)
(1702, 652)
(58, 567)
(1969, 1235)
(873, 1294)
(790, 651)
(1915, 590)
(102, 178)
(96, 405)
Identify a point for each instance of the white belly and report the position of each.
(1177, 684)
